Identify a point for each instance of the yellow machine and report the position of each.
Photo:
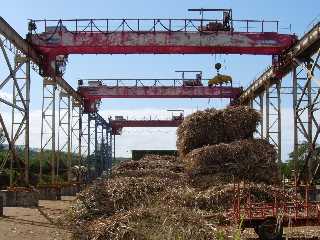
(219, 79)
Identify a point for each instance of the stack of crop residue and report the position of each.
(152, 199)
(219, 143)
(151, 166)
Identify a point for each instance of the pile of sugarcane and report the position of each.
(220, 143)
(130, 205)
(186, 198)
(213, 126)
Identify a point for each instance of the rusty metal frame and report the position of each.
(257, 103)
(273, 117)
(84, 136)
(76, 131)
(19, 79)
(48, 125)
(145, 25)
(19, 76)
(64, 133)
(91, 141)
(306, 93)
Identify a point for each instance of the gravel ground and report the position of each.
(35, 223)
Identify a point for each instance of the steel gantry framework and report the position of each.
(118, 125)
(16, 127)
(100, 143)
(302, 60)
(93, 90)
(19, 57)
(49, 43)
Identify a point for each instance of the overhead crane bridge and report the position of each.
(93, 90)
(118, 124)
(49, 42)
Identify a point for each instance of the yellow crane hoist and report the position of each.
(219, 79)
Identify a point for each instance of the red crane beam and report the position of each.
(65, 43)
(117, 125)
(152, 36)
(99, 92)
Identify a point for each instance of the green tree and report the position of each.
(288, 167)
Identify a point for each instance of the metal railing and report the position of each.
(143, 82)
(149, 25)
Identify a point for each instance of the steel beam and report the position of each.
(18, 80)
(13, 37)
(303, 49)
(64, 134)
(257, 103)
(48, 126)
(118, 125)
(98, 92)
(273, 118)
(84, 136)
(164, 37)
(19, 76)
(76, 131)
(306, 110)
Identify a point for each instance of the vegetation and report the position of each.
(34, 166)
(287, 168)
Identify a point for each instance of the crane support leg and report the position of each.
(273, 117)
(76, 131)
(16, 80)
(64, 132)
(257, 103)
(306, 110)
(48, 125)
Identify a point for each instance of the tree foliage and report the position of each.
(288, 167)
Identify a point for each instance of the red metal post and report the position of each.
(249, 200)
(307, 201)
(238, 202)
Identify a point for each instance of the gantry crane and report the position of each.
(118, 124)
(50, 42)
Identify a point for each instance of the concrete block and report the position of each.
(318, 193)
(49, 193)
(19, 198)
(1, 206)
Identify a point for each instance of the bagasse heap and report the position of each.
(219, 144)
(186, 198)
(253, 160)
(153, 206)
(213, 126)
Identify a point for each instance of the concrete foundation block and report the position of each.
(68, 191)
(19, 198)
(49, 193)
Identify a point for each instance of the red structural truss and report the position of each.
(52, 38)
(117, 125)
(64, 43)
(93, 90)
(99, 92)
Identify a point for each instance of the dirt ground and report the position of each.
(35, 223)
(38, 223)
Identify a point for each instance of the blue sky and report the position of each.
(242, 68)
